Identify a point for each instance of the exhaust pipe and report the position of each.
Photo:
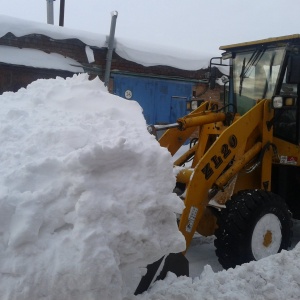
(50, 15)
(110, 47)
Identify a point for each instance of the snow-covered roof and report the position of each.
(146, 54)
(20, 27)
(38, 59)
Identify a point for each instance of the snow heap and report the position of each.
(273, 278)
(86, 196)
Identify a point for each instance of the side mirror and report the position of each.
(293, 70)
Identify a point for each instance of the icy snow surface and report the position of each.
(86, 196)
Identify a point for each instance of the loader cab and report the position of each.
(270, 69)
(262, 70)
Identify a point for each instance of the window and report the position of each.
(255, 76)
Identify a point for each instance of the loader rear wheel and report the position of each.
(254, 225)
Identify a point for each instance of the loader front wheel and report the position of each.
(254, 225)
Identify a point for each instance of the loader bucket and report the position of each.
(176, 263)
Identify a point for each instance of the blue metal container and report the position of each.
(163, 100)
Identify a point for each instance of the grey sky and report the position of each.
(188, 24)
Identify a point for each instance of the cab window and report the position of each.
(255, 74)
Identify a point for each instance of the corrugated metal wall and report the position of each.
(163, 101)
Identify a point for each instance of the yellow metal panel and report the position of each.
(286, 149)
(267, 137)
(248, 180)
(207, 118)
(174, 138)
(207, 131)
(238, 165)
(285, 38)
(212, 165)
(184, 157)
(202, 144)
(184, 175)
(208, 223)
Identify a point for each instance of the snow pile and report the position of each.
(275, 277)
(86, 193)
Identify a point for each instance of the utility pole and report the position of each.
(110, 47)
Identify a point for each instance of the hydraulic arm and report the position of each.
(234, 145)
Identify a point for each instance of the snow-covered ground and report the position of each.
(86, 203)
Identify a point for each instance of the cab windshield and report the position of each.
(255, 76)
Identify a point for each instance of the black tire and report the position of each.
(254, 224)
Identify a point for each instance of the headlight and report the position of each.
(193, 104)
(289, 101)
(277, 102)
(284, 102)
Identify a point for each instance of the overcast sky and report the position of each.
(187, 24)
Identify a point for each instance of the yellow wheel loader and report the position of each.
(240, 179)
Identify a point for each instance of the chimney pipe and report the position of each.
(50, 16)
(110, 47)
(62, 13)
